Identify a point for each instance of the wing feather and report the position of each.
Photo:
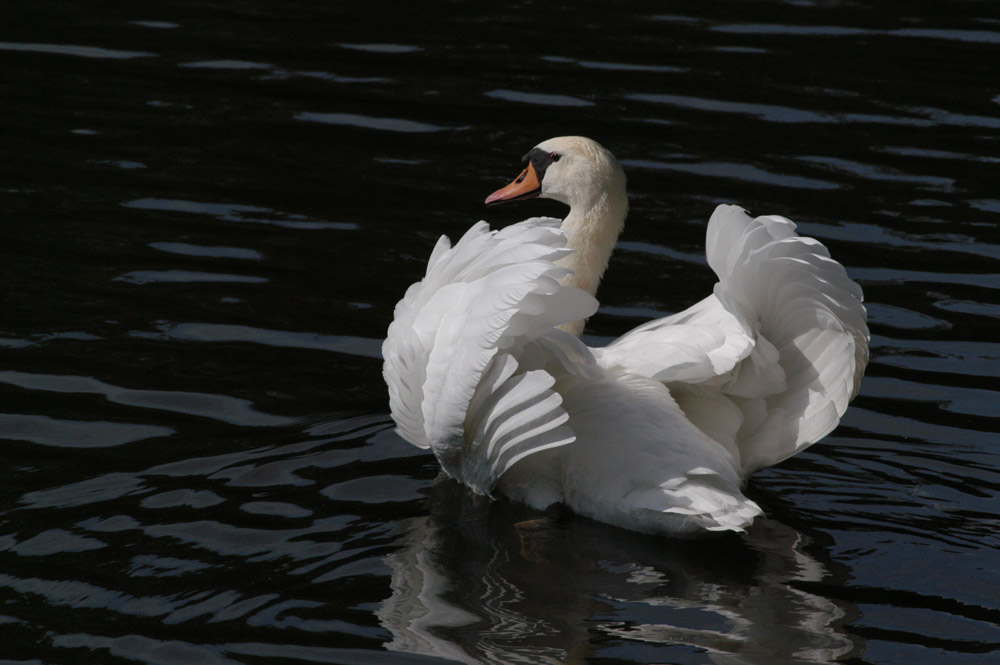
(783, 339)
(453, 352)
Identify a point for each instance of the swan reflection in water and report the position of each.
(476, 582)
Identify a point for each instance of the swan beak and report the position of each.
(525, 186)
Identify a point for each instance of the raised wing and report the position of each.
(452, 355)
(769, 362)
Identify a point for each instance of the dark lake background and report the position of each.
(208, 211)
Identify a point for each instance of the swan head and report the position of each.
(572, 169)
(585, 176)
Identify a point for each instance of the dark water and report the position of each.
(208, 211)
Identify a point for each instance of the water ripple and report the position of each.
(888, 237)
(541, 99)
(800, 30)
(61, 433)
(973, 36)
(745, 172)
(882, 174)
(186, 249)
(903, 276)
(107, 487)
(776, 113)
(157, 25)
(218, 407)
(382, 48)
(185, 276)
(55, 541)
(955, 399)
(368, 122)
(938, 357)
(614, 66)
(79, 51)
(212, 332)
(768, 112)
(902, 318)
(235, 212)
(226, 64)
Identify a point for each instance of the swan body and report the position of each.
(657, 431)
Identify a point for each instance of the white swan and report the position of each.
(657, 431)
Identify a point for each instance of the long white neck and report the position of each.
(592, 227)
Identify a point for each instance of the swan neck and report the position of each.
(592, 228)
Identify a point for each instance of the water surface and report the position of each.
(208, 213)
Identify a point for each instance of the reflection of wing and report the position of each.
(781, 625)
(417, 609)
(481, 591)
(425, 617)
(767, 364)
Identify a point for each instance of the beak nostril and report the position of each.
(525, 186)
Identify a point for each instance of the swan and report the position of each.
(659, 430)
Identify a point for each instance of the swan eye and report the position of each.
(555, 156)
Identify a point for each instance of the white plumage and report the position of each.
(657, 431)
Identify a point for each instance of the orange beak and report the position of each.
(525, 186)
